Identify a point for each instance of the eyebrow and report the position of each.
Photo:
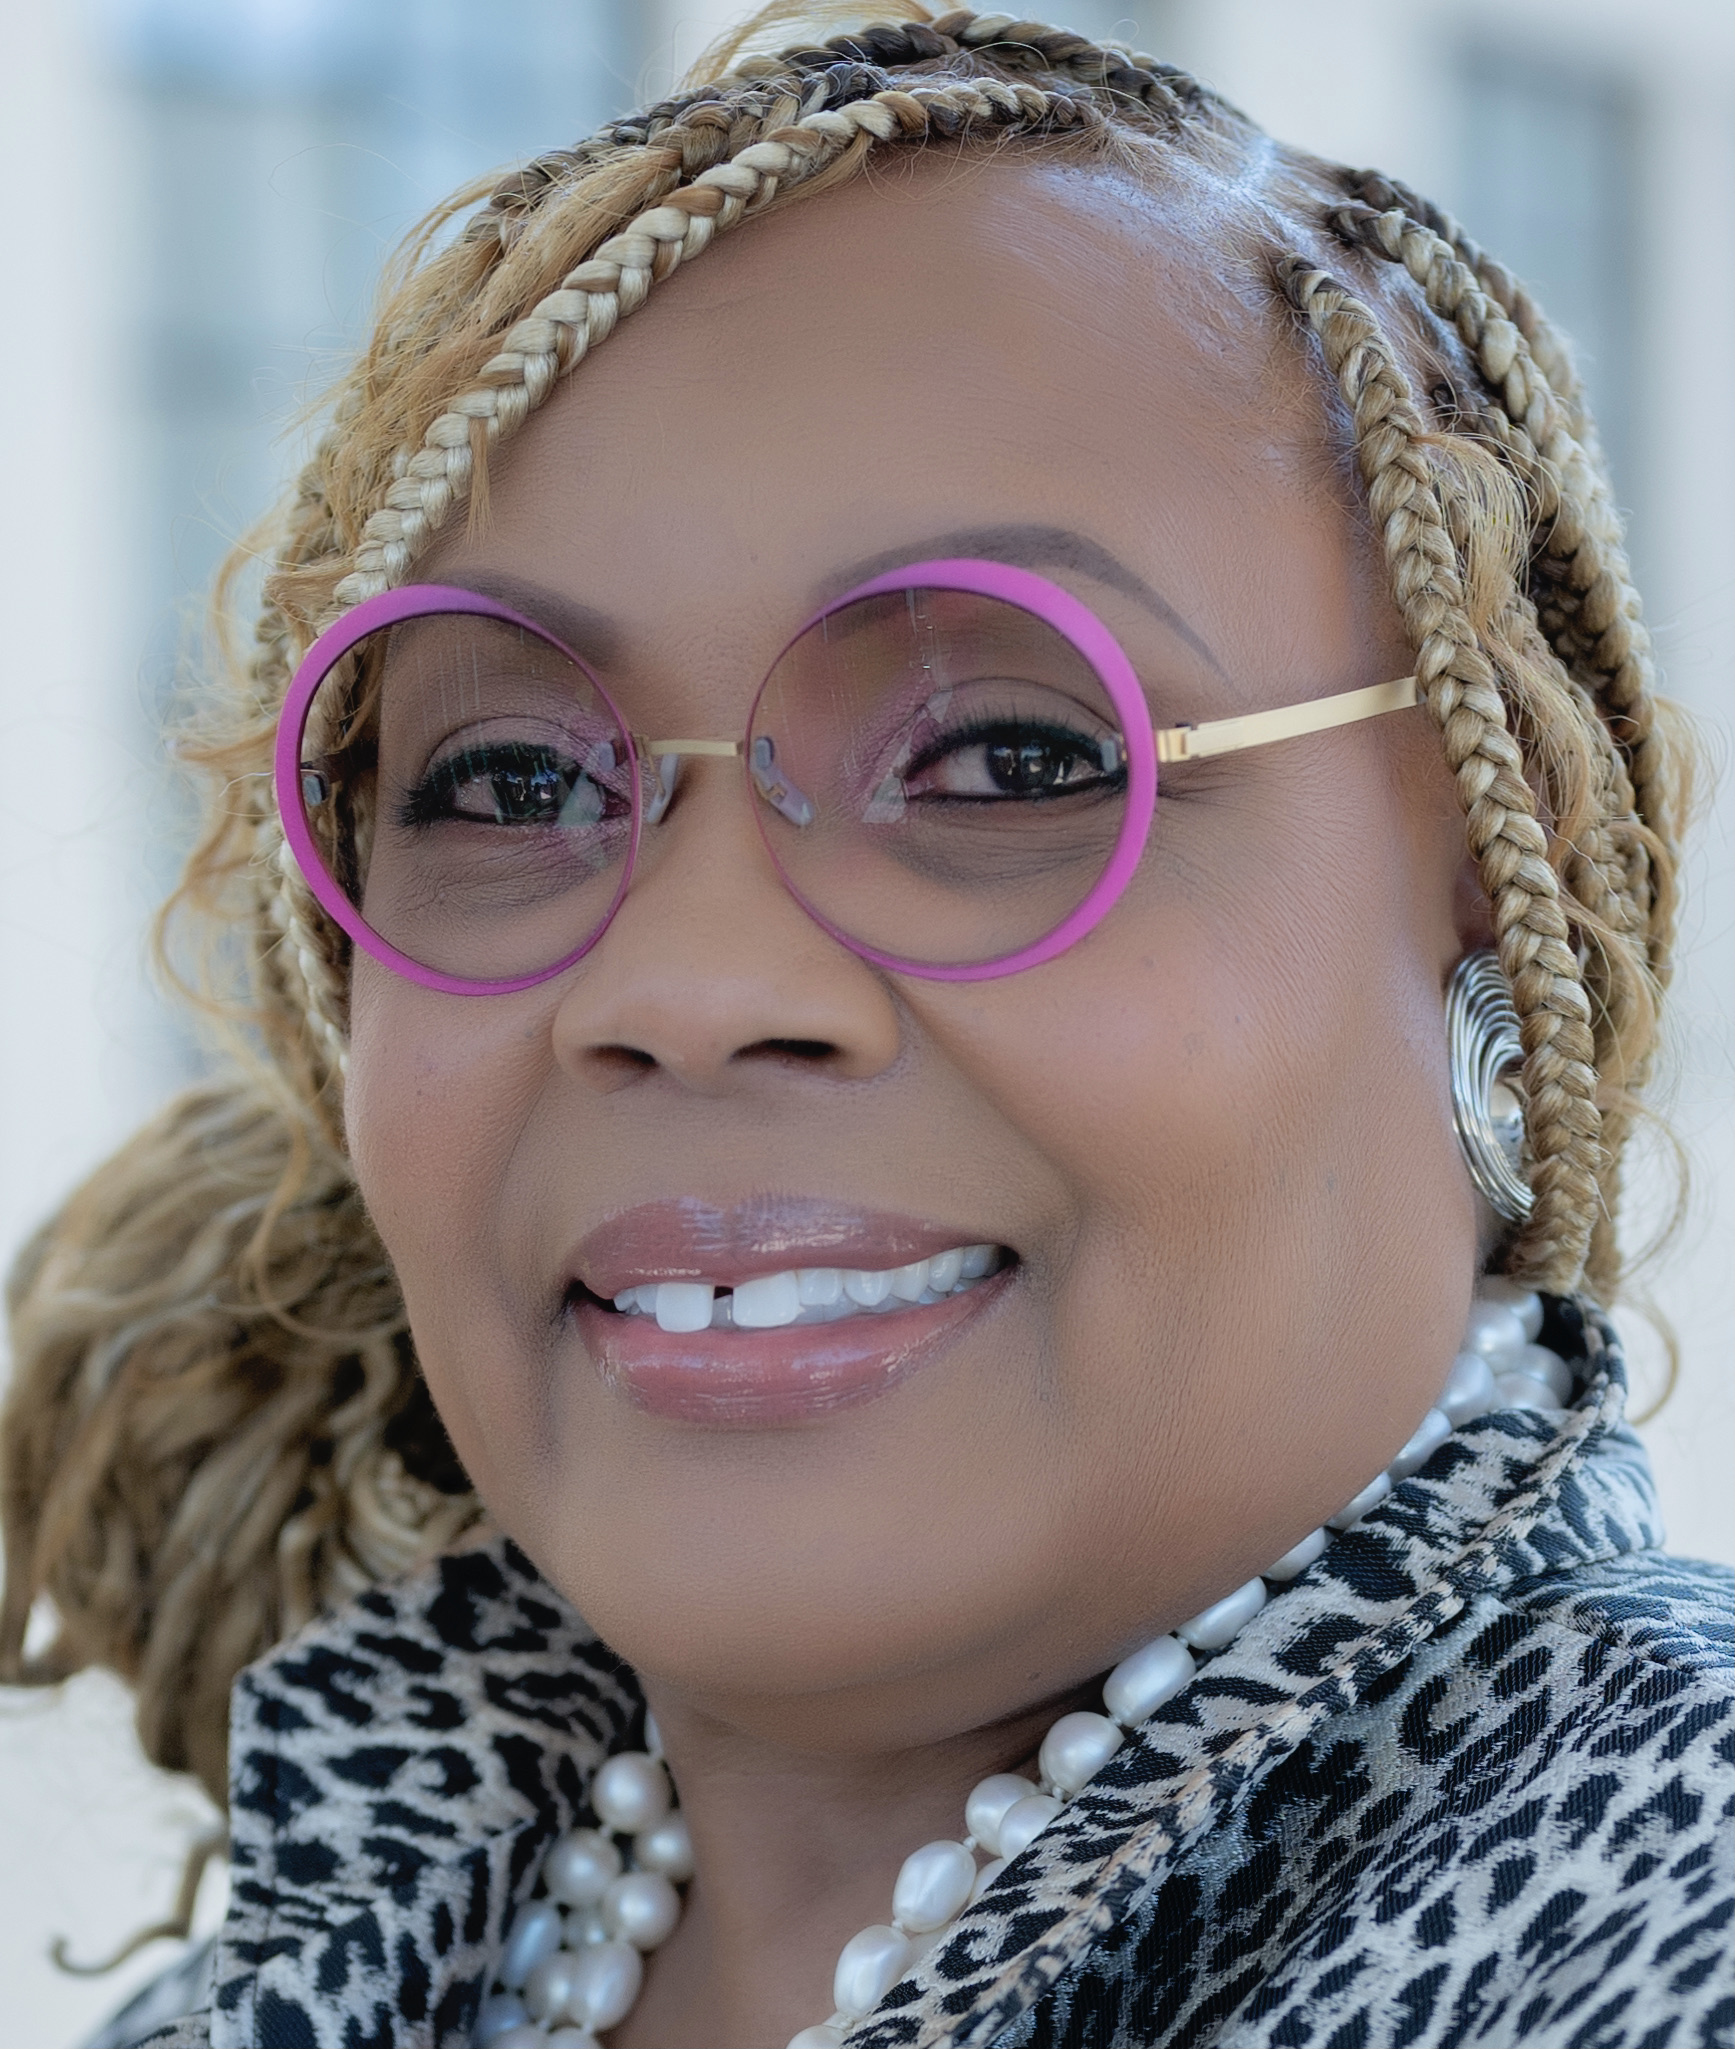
(590, 633)
(1031, 546)
(597, 637)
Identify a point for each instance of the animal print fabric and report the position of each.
(1467, 1781)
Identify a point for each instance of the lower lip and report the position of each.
(756, 1379)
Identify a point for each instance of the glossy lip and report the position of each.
(691, 1240)
(757, 1379)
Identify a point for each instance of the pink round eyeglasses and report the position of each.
(952, 768)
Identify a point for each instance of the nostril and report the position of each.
(806, 1050)
(623, 1061)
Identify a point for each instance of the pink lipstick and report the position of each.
(778, 1310)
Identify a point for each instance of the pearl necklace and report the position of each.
(565, 1977)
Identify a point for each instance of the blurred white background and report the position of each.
(198, 194)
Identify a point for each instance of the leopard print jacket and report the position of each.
(1467, 1781)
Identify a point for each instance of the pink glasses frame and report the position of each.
(1073, 621)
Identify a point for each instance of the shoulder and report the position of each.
(1676, 1613)
(1631, 1661)
(1517, 1832)
(1525, 1828)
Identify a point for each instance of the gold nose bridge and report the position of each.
(666, 756)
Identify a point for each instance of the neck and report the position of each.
(795, 1849)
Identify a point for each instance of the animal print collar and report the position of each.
(398, 1769)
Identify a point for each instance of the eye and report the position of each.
(519, 783)
(996, 760)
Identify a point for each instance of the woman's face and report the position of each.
(1212, 1140)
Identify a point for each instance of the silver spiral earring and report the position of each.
(1486, 1056)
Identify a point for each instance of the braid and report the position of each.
(549, 342)
(1458, 683)
(840, 72)
(1384, 195)
(1588, 610)
(1586, 603)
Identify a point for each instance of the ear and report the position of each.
(1472, 914)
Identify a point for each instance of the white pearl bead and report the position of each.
(500, 2012)
(825, 2036)
(608, 1981)
(1527, 1306)
(667, 1848)
(569, 2038)
(1542, 1364)
(1495, 1331)
(535, 1935)
(1525, 1391)
(1469, 1389)
(630, 1792)
(1077, 1748)
(933, 1887)
(1430, 1433)
(585, 1925)
(870, 1965)
(581, 1867)
(986, 1877)
(653, 1736)
(1214, 1626)
(524, 2036)
(549, 1987)
(988, 1805)
(642, 1908)
(1021, 1824)
(1139, 1685)
(1298, 1557)
(1358, 1505)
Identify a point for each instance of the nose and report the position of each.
(711, 973)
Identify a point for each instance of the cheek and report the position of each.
(439, 1092)
(1251, 1116)
(1257, 998)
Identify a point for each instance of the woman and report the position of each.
(1049, 1332)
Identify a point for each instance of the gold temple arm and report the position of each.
(1259, 728)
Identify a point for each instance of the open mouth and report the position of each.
(810, 1294)
(787, 1347)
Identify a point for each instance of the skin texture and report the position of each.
(1216, 1134)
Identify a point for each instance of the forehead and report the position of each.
(948, 343)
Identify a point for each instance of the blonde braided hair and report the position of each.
(216, 1424)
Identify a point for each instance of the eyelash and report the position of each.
(986, 727)
(429, 801)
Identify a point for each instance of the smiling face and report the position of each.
(1210, 1146)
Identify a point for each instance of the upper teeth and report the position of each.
(808, 1294)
